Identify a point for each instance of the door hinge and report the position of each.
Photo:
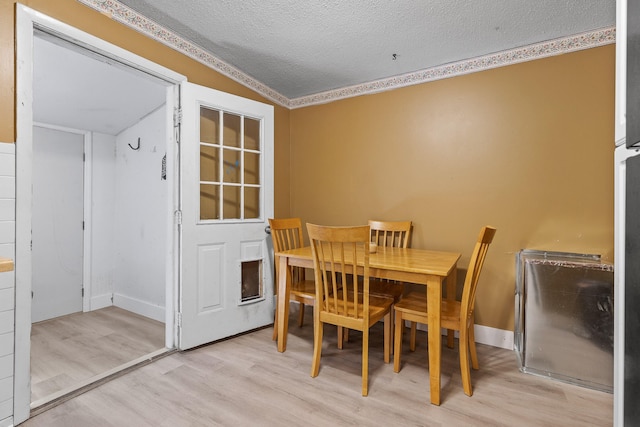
(178, 217)
(82, 292)
(179, 319)
(83, 225)
(177, 117)
(84, 157)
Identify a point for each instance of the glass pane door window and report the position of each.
(230, 166)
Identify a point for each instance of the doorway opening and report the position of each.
(97, 186)
(99, 223)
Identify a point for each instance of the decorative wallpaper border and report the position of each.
(133, 19)
(527, 53)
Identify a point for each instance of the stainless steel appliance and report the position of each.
(564, 317)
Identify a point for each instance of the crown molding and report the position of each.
(125, 15)
(129, 17)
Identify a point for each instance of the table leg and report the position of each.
(282, 309)
(434, 298)
(451, 295)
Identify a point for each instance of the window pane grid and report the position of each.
(233, 143)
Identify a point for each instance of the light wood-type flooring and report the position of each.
(244, 381)
(69, 350)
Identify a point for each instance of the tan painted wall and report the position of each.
(76, 14)
(526, 148)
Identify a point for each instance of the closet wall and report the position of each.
(130, 216)
(142, 212)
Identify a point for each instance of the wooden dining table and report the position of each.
(420, 266)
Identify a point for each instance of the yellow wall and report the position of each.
(84, 18)
(527, 148)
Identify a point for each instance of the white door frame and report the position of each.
(28, 20)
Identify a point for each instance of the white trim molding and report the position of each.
(494, 337)
(146, 26)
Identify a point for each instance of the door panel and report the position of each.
(226, 157)
(57, 235)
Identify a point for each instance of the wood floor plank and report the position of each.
(245, 381)
(71, 349)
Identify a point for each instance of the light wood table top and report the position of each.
(6, 264)
(425, 267)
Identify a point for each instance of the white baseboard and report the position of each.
(494, 337)
(101, 301)
(140, 307)
(7, 422)
(486, 335)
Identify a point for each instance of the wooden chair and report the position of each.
(335, 251)
(390, 234)
(456, 315)
(286, 234)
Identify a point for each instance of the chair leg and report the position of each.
(388, 337)
(301, 315)
(341, 333)
(275, 327)
(391, 329)
(465, 372)
(397, 341)
(317, 344)
(412, 338)
(346, 335)
(365, 361)
(472, 348)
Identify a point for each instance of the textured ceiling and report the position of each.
(299, 48)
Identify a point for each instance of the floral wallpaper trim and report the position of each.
(527, 53)
(128, 16)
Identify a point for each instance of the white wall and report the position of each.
(141, 218)
(103, 208)
(129, 218)
(7, 280)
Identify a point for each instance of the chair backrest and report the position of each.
(286, 233)
(473, 272)
(390, 233)
(336, 251)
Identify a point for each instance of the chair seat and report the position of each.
(304, 291)
(387, 289)
(414, 305)
(378, 305)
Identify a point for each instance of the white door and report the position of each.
(57, 223)
(226, 165)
